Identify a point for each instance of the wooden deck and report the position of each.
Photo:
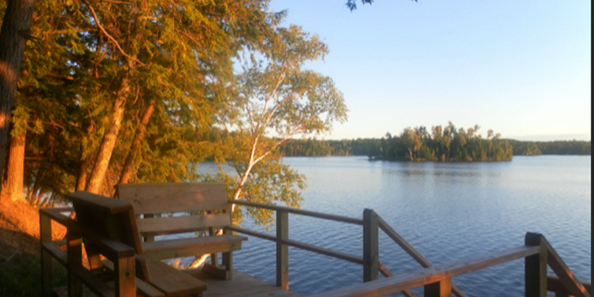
(537, 252)
(242, 285)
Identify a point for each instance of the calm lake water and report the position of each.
(448, 212)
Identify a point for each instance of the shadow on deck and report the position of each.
(242, 285)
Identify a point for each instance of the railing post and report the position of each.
(125, 282)
(439, 289)
(282, 250)
(45, 230)
(227, 259)
(370, 246)
(536, 268)
(74, 256)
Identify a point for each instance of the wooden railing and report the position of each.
(370, 222)
(437, 280)
(373, 219)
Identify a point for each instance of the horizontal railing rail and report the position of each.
(437, 280)
(301, 245)
(283, 241)
(436, 274)
(308, 213)
(537, 251)
(312, 248)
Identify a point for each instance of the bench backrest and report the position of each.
(168, 208)
(108, 217)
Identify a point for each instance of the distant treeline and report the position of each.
(535, 148)
(442, 144)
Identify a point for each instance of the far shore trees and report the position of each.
(440, 143)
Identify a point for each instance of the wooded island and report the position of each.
(439, 144)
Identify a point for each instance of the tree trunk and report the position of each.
(13, 186)
(85, 162)
(81, 180)
(31, 191)
(13, 38)
(109, 141)
(135, 148)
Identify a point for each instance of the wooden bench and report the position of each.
(173, 208)
(114, 221)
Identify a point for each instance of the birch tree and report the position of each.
(276, 100)
(280, 100)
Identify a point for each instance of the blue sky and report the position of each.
(521, 68)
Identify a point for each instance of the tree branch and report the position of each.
(281, 78)
(109, 36)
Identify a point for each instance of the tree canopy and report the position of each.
(143, 91)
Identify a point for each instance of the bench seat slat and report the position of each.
(185, 247)
(179, 197)
(181, 224)
(171, 280)
(144, 288)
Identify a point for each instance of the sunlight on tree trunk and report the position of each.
(13, 37)
(15, 169)
(135, 148)
(109, 140)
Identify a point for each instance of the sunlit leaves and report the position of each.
(182, 59)
(277, 100)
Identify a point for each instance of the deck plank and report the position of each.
(242, 285)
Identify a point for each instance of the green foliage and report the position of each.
(418, 144)
(89, 58)
(270, 182)
(535, 148)
(180, 57)
(447, 145)
(21, 274)
(374, 147)
(277, 100)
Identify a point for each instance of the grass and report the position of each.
(20, 261)
(20, 274)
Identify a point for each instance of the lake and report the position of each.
(447, 211)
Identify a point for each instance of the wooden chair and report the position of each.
(114, 221)
(172, 208)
